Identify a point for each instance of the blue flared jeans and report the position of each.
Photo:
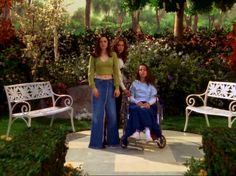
(101, 106)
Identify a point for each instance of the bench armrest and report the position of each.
(232, 106)
(66, 100)
(191, 99)
(25, 107)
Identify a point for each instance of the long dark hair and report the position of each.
(97, 51)
(124, 54)
(149, 79)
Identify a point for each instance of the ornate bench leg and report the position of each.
(9, 126)
(207, 121)
(29, 122)
(72, 120)
(186, 119)
(52, 119)
(229, 122)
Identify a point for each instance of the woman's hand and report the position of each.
(95, 92)
(117, 92)
(140, 104)
(143, 105)
(127, 93)
(146, 105)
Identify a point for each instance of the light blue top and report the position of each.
(142, 92)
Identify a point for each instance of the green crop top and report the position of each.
(109, 67)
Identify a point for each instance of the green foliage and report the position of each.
(220, 151)
(103, 6)
(179, 67)
(10, 64)
(79, 15)
(37, 151)
(219, 145)
(38, 29)
(173, 6)
(195, 167)
(206, 6)
(69, 69)
(13, 69)
(167, 25)
(134, 5)
(201, 5)
(75, 28)
(76, 24)
(148, 17)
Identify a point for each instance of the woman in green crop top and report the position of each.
(103, 76)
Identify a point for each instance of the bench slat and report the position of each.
(43, 112)
(211, 111)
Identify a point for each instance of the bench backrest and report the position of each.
(28, 91)
(223, 90)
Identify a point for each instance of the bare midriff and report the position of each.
(104, 77)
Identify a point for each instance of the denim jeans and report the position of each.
(139, 118)
(101, 106)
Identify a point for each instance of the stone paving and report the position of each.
(134, 161)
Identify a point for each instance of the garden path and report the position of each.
(133, 161)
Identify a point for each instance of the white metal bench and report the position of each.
(19, 97)
(219, 90)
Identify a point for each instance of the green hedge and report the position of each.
(37, 151)
(219, 145)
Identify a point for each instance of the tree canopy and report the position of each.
(174, 5)
(178, 6)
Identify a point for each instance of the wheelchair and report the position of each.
(157, 141)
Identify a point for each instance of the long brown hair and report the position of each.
(97, 51)
(149, 79)
(124, 54)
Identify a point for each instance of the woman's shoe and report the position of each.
(148, 135)
(135, 135)
(149, 139)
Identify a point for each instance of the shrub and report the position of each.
(219, 145)
(37, 151)
(195, 167)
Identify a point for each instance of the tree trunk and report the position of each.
(188, 21)
(195, 23)
(158, 20)
(55, 38)
(179, 26)
(87, 14)
(222, 17)
(120, 20)
(135, 21)
(55, 33)
(211, 21)
(30, 2)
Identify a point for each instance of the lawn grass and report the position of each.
(196, 124)
(19, 125)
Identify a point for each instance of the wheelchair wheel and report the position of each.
(123, 143)
(161, 142)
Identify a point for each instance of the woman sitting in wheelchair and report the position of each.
(142, 108)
